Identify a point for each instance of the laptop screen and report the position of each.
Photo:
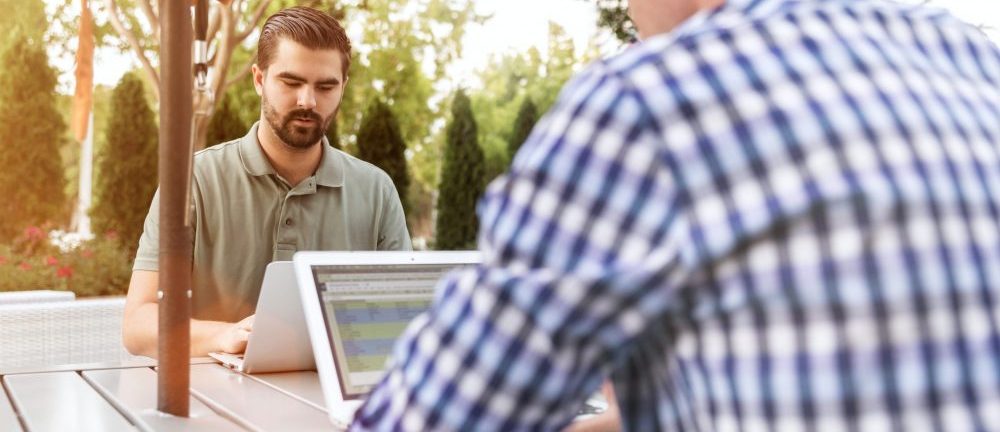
(366, 308)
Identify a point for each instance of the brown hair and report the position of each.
(308, 27)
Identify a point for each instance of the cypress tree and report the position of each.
(126, 164)
(226, 124)
(31, 182)
(461, 180)
(381, 144)
(527, 116)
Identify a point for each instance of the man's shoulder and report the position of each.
(357, 169)
(218, 152)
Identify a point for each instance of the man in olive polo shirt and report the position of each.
(279, 189)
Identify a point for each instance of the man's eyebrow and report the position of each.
(294, 77)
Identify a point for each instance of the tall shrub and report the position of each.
(461, 180)
(381, 144)
(31, 177)
(527, 116)
(127, 164)
(333, 134)
(226, 124)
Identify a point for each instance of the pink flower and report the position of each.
(24, 266)
(51, 261)
(111, 234)
(34, 233)
(3, 260)
(64, 272)
(87, 253)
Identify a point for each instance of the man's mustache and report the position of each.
(303, 114)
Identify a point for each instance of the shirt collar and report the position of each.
(330, 172)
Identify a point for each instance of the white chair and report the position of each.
(61, 332)
(35, 296)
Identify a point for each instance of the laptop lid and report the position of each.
(356, 305)
(279, 341)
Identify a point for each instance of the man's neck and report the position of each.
(292, 164)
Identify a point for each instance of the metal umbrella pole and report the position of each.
(174, 342)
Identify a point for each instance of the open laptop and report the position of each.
(356, 305)
(279, 341)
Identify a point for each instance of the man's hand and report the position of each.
(233, 338)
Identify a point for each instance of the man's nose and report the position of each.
(306, 98)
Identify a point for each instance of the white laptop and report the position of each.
(279, 341)
(356, 305)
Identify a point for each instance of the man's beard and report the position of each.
(296, 136)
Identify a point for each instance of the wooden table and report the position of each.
(105, 397)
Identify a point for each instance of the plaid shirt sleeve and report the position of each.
(519, 342)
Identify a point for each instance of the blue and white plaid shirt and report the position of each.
(784, 215)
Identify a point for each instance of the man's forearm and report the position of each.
(142, 332)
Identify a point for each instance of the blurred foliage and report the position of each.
(613, 15)
(527, 116)
(380, 143)
(226, 123)
(32, 179)
(127, 163)
(333, 134)
(511, 80)
(462, 180)
(22, 19)
(96, 267)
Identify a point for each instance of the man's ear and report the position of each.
(258, 78)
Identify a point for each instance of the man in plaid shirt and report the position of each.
(768, 215)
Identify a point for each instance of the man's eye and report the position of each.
(326, 88)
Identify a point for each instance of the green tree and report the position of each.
(613, 15)
(333, 134)
(381, 144)
(527, 116)
(226, 123)
(31, 181)
(402, 55)
(508, 82)
(22, 19)
(126, 164)
(461, 180)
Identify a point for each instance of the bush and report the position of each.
(527, 116)
(31, 181)
(127, 164)
(96, 267)
(461, 180)
(381, 143)
(226, 124)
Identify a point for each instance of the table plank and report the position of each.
(135, 362)
(251, 403)
(133, 392)
(301, 385)
(61, 401)
(8, 418)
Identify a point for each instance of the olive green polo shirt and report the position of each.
(246, 216)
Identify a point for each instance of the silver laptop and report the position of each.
(279, 341)
(356, 304)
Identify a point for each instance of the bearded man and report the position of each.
(279, 189)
